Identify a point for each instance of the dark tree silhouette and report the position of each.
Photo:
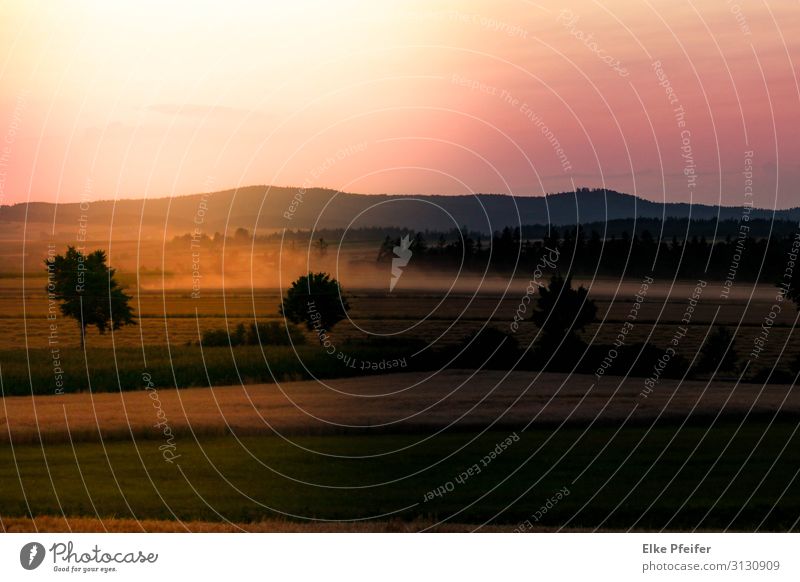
(561, 312)
(718, 352)
(490, 349)
(88, 292)
(321, 246)
(315, 300)
(794, 292)
(385, 251)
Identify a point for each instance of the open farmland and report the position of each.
(455, 399)
(737, 477)
(174, 317)
(358, 449)
(259, 445)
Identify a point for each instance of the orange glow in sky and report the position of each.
(659, 98)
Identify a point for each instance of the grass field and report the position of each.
(460, 399)
(248, 457)
(110, 370)
(742, 479)
(115, 525)
(266, 448)
(170, 320)
(174, 317)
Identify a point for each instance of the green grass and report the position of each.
(254, 489)
(177, 366)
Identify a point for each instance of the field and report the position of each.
(171, 324)
(740, 478)
(259, 445)
(245, 455)
(174, 317)
(461, 400)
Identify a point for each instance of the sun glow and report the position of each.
(152, 98)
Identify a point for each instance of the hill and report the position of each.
(266, 208)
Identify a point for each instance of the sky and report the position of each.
(693, 101)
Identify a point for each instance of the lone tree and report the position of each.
(315, 300)
(88, 291)
(561, 312)
(718, 352)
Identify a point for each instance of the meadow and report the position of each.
(304, 455)
(463, 400)
(292, 438)
(171, 324)
(738, 478)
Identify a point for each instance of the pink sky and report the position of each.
(130, 99)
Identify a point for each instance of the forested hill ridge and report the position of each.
(263, 207)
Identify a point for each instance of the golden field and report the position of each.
(392, 402)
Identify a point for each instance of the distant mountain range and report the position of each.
(268, 208)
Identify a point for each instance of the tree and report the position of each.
(315, 300)
(793, 292)
(718, 352)
(419, 245)
(88, 291)
(561, 312)
(386, 251)
(241, 235)
(322, 246)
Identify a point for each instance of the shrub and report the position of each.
(766, 375)
(272, 333)
(561, 312)
(478, 350)
(214, 338)
(718, 352)
(636, 360)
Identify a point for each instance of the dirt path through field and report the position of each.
(389, 403)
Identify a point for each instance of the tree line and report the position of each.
(586, 252)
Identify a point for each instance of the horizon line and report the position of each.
(324, 188)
